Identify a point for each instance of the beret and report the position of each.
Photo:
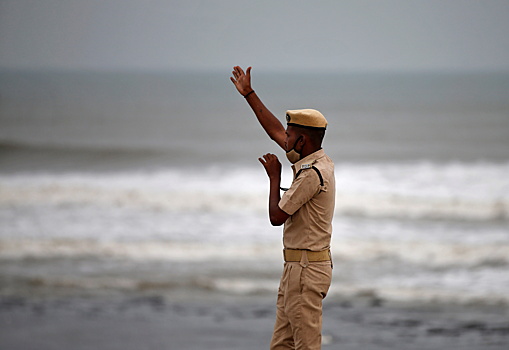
(306, 118)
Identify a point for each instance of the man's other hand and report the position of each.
(272, 166)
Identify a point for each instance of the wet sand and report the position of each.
(155, 322)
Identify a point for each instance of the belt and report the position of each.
(295, 255)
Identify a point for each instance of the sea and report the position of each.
(136, 183)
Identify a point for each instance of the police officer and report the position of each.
(306, 210)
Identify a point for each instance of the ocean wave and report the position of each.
(476, 191)
(358, 204)
(417, 252)
(376, 293)
(133, 250)
(433, 254)
(373, 292)
(419, 294)
(370, 269)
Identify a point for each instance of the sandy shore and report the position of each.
(155, 322)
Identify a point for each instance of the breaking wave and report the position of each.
(403, 272)
(478, 191)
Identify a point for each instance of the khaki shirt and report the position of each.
(310, 205)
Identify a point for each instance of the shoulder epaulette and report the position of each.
(304, 167)
(315, 169)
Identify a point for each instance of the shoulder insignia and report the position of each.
(308, 166)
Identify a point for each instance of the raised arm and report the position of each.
(268, 121)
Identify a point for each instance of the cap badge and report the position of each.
(305, 166)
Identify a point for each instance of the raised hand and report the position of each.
(241, 80)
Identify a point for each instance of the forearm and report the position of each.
(276, 215)
(267, 120)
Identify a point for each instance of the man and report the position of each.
(306, 210)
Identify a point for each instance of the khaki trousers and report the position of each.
(299, 306)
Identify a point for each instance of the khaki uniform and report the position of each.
(304, 284)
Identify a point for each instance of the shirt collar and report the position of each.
(307, 162)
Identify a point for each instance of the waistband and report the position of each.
(296, 255)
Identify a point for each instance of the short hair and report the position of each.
(315, 135)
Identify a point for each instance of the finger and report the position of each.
(248, 72)
(264, 163)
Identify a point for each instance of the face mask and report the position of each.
(292, 155)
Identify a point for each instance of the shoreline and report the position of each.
(237, 322)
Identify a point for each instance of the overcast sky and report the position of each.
(272, 34)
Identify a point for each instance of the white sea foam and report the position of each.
(79, 226)
(419, 252)
(407, 190)
(429, 294)
(430, 273)
(134, 250)
(433, 254)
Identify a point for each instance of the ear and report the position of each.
(303, 139)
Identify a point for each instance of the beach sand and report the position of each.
(156, 322)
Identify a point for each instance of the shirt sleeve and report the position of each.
(303, 188)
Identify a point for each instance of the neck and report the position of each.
(306, 151)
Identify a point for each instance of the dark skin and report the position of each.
(292, 137)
